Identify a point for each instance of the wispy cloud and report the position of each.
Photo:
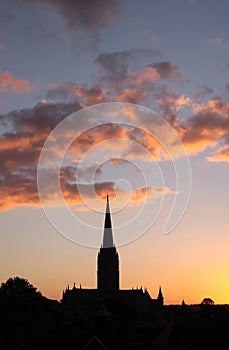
(220, 42)
(221, 155)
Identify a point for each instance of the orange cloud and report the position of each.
(85, 95)
(90, 96)
(183, 101)
(146, 76)
(73, 195)
(18, 190)
(172, 103)
(150, 192)
(131, 95)
(96, 135)
(20, 147)
(221, 155)
(16, 85)
(21, 141)
(199, 145)
(215, 106)
(208, 126)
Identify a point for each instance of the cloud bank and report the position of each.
(24, 131)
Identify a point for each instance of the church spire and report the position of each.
(108, 261)
(107, 233)
(160, 297)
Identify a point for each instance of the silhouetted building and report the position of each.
(108, 260)
(126, 304)
(160, 297)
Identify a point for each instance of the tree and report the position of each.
(18, 287)
(207, 301)
(19, 297)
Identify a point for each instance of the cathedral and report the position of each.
(108, 301)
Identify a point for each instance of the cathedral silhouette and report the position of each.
(108, 300)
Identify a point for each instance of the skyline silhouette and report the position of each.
(106, 317)
(107, 273)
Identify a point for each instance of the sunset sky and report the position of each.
(165, 66)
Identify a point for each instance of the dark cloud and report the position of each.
(208, 126)
(20, 146)
(166, 70)
(84, 15)
(42, 118)
(15, 160)
(80, 173)
(73, 194)
(18, 189)
(70, 92)
(115, 64)
(204, 91)
(20, 149)
(95, 135)
(166, 101)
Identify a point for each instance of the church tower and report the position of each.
(108, 260)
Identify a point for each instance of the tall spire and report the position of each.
(107, 233)
(108, 260)
(160, 297)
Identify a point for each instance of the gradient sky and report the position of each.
(171, 56)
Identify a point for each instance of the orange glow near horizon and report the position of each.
(184, 269)
(175, 283)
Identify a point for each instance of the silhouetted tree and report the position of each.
(18, 287)
(19, 297)
(207, 301)
(26, 315)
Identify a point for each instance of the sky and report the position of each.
(125, 97)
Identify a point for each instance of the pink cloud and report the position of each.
(183, 101)
(16, 85)
(221, 42)
(216, 41)
(131, 95)
(141, 194)
(208, 126)
(147, 75)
